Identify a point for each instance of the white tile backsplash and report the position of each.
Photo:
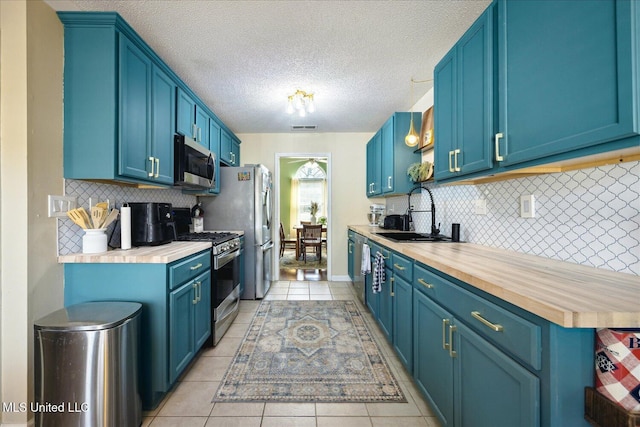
(589, 216)
(70, 235)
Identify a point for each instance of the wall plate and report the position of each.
(59, 205)
(527, 206)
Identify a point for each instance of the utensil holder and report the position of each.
(94, 241)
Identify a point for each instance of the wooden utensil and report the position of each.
(110, 218)
(76, 218)
(85, 217)
(103, 205)
(97, 216)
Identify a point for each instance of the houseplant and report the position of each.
(313, 209)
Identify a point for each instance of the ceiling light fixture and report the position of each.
(412, 137)
(302, 102)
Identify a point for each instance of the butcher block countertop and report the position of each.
(570, 295)
(161, 254)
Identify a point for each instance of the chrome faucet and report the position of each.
(434, 230)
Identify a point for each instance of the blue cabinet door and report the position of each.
(385, 305)
(185, 114)
(202, 309)
(463, 98)
(567, 75)
(444, 115)
(374, 165)
(163, 103)
(387, 158)
(509, 394)
(226, 150)
(134, 143)
(433, 365)
(403, 321)
(474, 107)
(235, 150)
(181, 337)
(202, 126)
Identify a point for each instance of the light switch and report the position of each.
(527, 206)
(59, 205)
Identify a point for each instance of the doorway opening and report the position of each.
(303, 196)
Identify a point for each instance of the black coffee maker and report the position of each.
(152, 224)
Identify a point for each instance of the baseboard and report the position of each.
(340, 278)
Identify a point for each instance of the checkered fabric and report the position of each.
(618, 366)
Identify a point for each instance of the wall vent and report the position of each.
(304, 127)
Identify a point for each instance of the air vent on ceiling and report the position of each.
(304, 127)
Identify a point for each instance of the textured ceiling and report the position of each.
(243, 58)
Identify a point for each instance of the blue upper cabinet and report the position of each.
(463, 98)
(388, 157)
(533, 82)
(568, 76)
(123, 104)
(117, 126)
(186, 115)
(229, 149)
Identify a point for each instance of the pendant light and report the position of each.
(412, 137)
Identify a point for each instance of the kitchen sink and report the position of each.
(406, 236)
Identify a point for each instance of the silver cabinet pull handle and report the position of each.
(388, 182)
(451, 153)
(456, 168)
(493, 326)
(195, 293)
(452, 352)
(391, 290)
(445, 323)
(194, 131)
(152, 164)
(399, 267)
(499, 158)
(157, 168)
(425, 284)
(197, 266)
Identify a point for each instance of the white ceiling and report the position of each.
(243, 58)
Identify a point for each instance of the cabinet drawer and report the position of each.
(509, 331)
(188, 268)
(385, 252)
(402, 266)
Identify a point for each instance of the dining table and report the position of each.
(298, 229)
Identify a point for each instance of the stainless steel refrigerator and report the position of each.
(245, 203)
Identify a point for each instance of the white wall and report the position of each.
(31, 167)
(349, 204)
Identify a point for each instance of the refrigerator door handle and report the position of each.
(267, 246)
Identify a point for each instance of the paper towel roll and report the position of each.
(125, 227)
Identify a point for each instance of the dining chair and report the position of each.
(284, 241)
(311, 237)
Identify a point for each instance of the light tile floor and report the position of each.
(189, 404)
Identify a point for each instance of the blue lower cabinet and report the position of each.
(491, 389)
(385, 306)
(433, 366)
(176, 311)
(403, 321)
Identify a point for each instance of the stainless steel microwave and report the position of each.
(194, 164)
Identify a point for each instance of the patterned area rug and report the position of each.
(308, 351)
(289, 260)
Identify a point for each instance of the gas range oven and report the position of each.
(225, 277)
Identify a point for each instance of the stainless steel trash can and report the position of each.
(86, 366)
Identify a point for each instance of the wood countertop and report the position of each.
(161, 254)
(570, 295)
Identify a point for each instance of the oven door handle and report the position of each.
(223, 259)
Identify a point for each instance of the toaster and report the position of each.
(394, 222)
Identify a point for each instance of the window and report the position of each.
(311, 187)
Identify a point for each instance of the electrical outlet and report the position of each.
(481, 207)
(527, 206)
(59, 205)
